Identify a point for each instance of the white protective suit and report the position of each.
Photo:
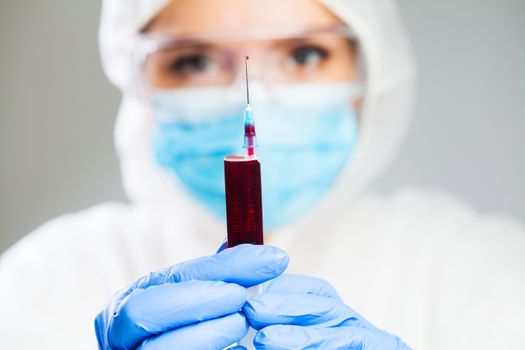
(419, 264)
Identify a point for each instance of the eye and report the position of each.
(308, 55)
(192, 63)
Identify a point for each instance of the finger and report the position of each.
(294, 337)
(213, 334)
(302, 284)
(154, 310)
(299, 309)
(246, 264)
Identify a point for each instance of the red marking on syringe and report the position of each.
(249, 134)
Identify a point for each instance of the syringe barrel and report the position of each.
(242, 175)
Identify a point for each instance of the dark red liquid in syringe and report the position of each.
(244, 220)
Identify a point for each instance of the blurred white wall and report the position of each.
(57, 112)
(468, 135)
(57, 109)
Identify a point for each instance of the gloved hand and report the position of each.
(192, 305)
(298, 312)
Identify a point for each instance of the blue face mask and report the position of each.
(306, 135)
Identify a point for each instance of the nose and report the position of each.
(259, 91)
(249, 75)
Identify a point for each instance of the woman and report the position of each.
(331, 84)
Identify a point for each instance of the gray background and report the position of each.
(57, 109)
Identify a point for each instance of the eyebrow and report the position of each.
(175, 43)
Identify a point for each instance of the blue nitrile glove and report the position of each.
(299, 312)
(192, 305)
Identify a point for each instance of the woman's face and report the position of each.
(309, 54)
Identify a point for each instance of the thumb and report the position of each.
(246, 265)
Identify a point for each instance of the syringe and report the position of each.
(242, 175)
(242, 181)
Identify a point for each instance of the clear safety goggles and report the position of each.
(277, 56)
